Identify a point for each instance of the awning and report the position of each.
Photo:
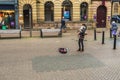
(7, 7)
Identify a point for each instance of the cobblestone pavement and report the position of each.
(38, 58)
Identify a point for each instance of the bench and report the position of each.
(50, 32)
(11, 31)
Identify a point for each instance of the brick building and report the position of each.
(75, 11)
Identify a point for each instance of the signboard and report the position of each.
(7, 7)
(7, 0)
(94, 17)
(66, 14)
(115, 0)
(109, 18)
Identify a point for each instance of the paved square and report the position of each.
(38, 58)
(65, 62)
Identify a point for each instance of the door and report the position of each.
(26, 18)
(27, 13)
(67, 8)
(101, 17)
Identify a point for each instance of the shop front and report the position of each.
(8, 14)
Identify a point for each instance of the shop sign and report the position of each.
(7, 7)
(66, 14)
(115, 0)
(7, 0)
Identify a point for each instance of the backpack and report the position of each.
(114, 27)
(62, 50)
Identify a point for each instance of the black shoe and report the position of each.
(78, 50)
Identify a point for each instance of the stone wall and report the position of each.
(69, 25)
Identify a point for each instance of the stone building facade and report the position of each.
(34, 12)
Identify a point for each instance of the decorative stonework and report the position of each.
(39, 13)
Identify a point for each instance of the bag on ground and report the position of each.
(62, 50)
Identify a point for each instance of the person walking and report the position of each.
(114, 28)
(81, 36)
(63, 25)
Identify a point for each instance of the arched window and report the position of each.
(101, 16)
(67, 10)
(27, 13)
(84, 11)
(115, 8)
(49, 11)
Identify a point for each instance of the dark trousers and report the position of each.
(81, 44)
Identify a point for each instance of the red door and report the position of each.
(101, 16)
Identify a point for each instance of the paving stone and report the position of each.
(38, 58)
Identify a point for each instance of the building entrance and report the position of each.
(101, 16)
(49, 11)
(84, 11)
(27, 13)
(67, 10)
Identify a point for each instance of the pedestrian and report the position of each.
(114, 28)
(85, 29)
(63, 25)
(81, 35)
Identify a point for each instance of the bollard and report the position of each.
(41, 34)
(103, 37)
(30, 32)
(114, 45)
(94, 34)
(110, 33)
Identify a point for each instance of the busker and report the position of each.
(81, 36)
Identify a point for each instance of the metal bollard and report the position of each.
(30, 32)
(110, 33)
(114, 45)
(94, 34)
(41, 34)
(103, 37)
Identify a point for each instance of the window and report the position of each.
(49, 11)
(84, 11)
(115, 8)
(67, 10)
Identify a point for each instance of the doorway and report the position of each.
(67, 10)
(101, 16)
(27, 13)
(49, 11)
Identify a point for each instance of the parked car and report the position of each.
(116, 18)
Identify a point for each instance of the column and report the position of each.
(76, 12)
(57, 12)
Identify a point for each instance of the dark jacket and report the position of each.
(81, 34)
(63, 22)
(114, 27)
